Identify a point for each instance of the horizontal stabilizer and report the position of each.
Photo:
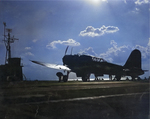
(53, 66)
(145, 70)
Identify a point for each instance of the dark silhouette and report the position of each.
(84, 65)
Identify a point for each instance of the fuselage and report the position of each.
(89, 64)
(85, 64)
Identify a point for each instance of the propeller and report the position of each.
(66, 50)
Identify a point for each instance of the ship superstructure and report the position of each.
(12, 69)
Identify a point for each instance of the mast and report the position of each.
(8, 40)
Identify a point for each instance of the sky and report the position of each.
(109, 29)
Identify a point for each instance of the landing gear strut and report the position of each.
(62, 77)
(117, 77)
(85, 77)
(133, 78)
(110, 77)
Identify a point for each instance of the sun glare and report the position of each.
(96, 2)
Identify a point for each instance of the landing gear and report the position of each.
(117, 77)
(85, 77)
(134, 78)
(110, 77)
(62, 77)
(96, 77)
(65, 78)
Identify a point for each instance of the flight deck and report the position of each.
(96, 99)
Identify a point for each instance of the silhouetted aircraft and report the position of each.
(84, 65)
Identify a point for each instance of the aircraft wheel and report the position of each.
(59, 74)
(85, 77)
(65, 78)
(118, 77)
(133, 78)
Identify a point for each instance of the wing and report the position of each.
(54, 66)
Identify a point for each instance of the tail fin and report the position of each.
(134, 60)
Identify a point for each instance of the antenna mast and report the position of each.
(7, 40)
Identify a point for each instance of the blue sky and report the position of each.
(104, 28)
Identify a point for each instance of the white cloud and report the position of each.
(29, 54)
(88, 51)
(92, 32)
(118, 52)
(35, 40)
(140, 2)
(149, 42)
(27, 48)
(113, 51)
(144, 50)
(69, 42)
(106, 56)
(136, 11)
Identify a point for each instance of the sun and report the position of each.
(95, 1)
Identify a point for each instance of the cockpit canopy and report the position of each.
(96, 59)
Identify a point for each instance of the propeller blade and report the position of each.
(53, 66)
(66, 50)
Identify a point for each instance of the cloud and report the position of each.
(144, 50)
(149, 42)
(35, 40)
(114, 51)
(29, 54)
(136, 10)
(92, 32)
(27, 48)
(140, 2)
(88, 51)
(69, 42)
(119, 52)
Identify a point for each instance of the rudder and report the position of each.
(134, 60)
